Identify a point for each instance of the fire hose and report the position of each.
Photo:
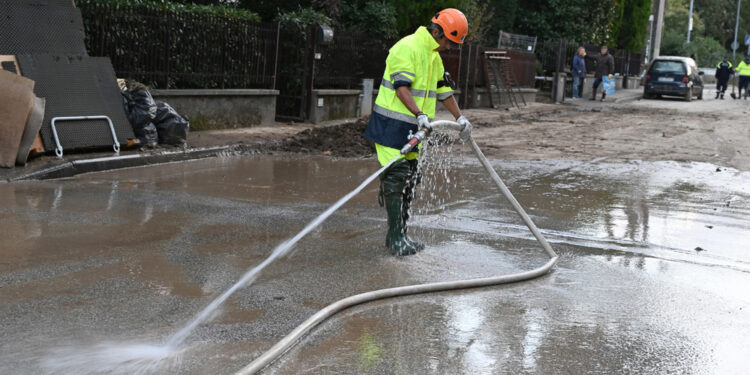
(293, 337)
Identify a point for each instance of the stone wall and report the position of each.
(222, 109)
(334, 105)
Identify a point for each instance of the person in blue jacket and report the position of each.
(578, 71)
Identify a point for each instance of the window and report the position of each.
(664, 66)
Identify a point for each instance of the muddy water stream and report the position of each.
(653, 275)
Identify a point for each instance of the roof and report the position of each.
(688, 60)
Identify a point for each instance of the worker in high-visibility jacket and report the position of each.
(413, 82)
(743, 70)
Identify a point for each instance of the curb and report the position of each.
(76, 167)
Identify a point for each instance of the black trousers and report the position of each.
(721, 85)
(744, 80)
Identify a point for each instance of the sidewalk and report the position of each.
(620, 96)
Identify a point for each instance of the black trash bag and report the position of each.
(172, 127)
(140, 109)
(148, 135)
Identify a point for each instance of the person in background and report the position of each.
(743, 70)
(605, 67)
(579, 72)
(724, 70)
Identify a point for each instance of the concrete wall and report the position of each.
(334, 105)
(588, 83)
(222, 109)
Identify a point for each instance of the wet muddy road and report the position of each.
(654, 274)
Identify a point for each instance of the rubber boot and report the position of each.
(393, 181)
(408, 197)
(593, 95)
(717, 95)
(604, 95)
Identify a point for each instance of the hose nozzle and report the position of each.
(414, 140)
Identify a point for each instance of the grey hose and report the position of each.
(292, 338)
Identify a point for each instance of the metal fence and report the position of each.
(350, 58)
(519, 42)
(165, 49)
(626, 63)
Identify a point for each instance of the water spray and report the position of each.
(294, 337)
(141, 359)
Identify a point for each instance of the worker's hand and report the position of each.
(423, 122)
(466, 132)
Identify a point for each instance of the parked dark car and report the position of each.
(673, 76)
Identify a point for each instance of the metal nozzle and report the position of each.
(414, 140)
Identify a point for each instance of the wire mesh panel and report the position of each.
(506, 40)
(40, 27)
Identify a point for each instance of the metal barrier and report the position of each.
(58, 146)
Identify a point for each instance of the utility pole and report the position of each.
(659, 27)
(650, 37)
(690, 21)
(736, 45)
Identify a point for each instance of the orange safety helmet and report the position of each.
(454, 24)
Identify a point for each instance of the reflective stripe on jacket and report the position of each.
(724, 70)
(413, 62)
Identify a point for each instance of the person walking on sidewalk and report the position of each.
(579, 71)
(724, 71)
(413, 82)
(605, 67)
(743, 70)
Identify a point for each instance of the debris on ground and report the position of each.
(345, 140)
(152, 121)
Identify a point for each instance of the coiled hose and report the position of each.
(293, 337)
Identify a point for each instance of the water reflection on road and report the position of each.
(652, 279)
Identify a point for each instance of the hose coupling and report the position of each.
(414, 140)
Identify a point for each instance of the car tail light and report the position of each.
(648, 77)
(685, 80)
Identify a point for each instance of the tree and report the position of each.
(505, 13)
(411, 14)
(479, 14)
(377, 18)
(632, 34)
(704, 42)
(584, 20)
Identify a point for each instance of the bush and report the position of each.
(170, 45)
(176, 8)
(708, 50)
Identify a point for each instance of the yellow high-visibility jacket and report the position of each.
(743, 69)
(413, 62)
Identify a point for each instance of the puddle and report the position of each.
(131, 255)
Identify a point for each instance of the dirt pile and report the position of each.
(345, 140)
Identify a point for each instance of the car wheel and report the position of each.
(646, 95)
(689, 95)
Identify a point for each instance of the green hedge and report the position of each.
(174, 8)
